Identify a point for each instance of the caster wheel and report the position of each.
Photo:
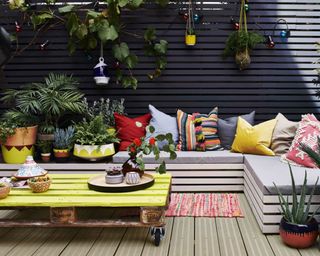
(157, 237)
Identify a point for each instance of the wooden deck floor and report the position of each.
(184, 236)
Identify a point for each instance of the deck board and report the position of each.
(279, 249)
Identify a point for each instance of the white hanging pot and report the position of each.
(101, 76)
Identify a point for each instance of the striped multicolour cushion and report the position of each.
(187, 138)
(209, 124)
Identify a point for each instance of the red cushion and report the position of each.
(130, 128)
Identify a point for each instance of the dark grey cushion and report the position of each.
(268, 169)
(188, 157)
(227, 128)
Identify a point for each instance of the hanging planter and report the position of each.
(190, 36)
(240, 43)
(101, 76)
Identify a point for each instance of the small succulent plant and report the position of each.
(63, 138)
(40, 179)
(114, 171)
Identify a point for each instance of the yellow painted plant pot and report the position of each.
(16, 155)
(95, 152)
(190, 40)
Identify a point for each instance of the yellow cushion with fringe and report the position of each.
(254, 139)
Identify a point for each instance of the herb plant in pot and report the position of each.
(93, 140)
(298, 228)
(17, 139)
(45, 147)
(63, 142)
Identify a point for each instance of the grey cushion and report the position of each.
(227, 128)
(268, 169)
(189, 157)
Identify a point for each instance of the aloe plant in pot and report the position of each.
(298, 228)
(63, 143)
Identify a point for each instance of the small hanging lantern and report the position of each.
(44, 45)
(190, 36)
(285, 33)
(247, 7)
(235, 25)
(269, 42)
(101, 76)
(17, 27)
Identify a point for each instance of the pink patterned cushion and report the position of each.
(307, 133)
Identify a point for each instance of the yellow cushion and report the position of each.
(254, 139)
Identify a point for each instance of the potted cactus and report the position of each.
(45, 147)
(63, 142)
(298, 228)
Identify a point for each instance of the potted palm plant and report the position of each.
(240, 43)
(94, 140)
(45, 147)
(49, 101)
(298, 228)
(63, 143)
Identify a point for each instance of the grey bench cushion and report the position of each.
(267, 169)
(189, 157)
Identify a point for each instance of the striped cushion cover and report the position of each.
(187, 138)
(209, 125)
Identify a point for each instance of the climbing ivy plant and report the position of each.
(87, 27)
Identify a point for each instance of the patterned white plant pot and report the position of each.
(132, 178)
(93, 152)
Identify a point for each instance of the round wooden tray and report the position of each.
(98, 183)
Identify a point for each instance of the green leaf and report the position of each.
(123, 3)
(112, 33)
(161, 168)
(92, 42)
(151, 129)
(135, 3)
(82, 31)
(71, 47)
(66, 9)
(161, 48)
(72, 24)
(161, 137)
(146, 151)
(173, 155)
(129, 81)
(40, 19)
(120, 51)
(131, 61)
(162, 3)
(92, 14)
(172, 147)
(150, 34)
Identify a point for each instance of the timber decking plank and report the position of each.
(230, 239)
(313, 251)
(82, 242)
(279, 248)
(13, 238)
(182, 239)
(133, 242)
(32, 242)
(206, 237)
(162, 250)
(56, 243)
(255, 242)
(108, 242)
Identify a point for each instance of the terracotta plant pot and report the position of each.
(39, 187)
(4, 191)
(61, 155)
(20, 145)
(190, 40)
(299, 236)
(45, 157)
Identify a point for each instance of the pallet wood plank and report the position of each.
(279, 248)
(206, 237)
(133, 242)
(230, 239)
(182, 241)
(163, 248)
(255, 242)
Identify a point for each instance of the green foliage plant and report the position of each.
(45, 146)
(94, 132)
(104, 107)
(241, 42)
(63, 138)
(46, 102)
(314, 154)
(87, 28)
(298, 213)
(7, 129)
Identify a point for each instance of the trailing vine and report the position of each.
(88, 26)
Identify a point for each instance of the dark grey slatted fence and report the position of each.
(198, 79)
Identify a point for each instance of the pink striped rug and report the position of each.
(204, 205)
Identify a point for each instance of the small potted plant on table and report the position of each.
(94, 140)
(39, 184)
(63, 142)
(298, 228)
(45, 147)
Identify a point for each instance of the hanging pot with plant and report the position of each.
(190, 36)
(298, 227)
(240, 43)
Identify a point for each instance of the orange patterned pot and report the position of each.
(39, 187)
(299, 236)
(24, 136)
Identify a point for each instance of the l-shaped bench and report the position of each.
(217, 171)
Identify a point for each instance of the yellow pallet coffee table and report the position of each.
(69, 192)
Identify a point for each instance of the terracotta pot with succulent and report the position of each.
(39, 184)
(45, 147)
(241, 42)
(141, 146)
(4, 190)
(63, 143)
(94, 140)
(298, 228)
(48, 101)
